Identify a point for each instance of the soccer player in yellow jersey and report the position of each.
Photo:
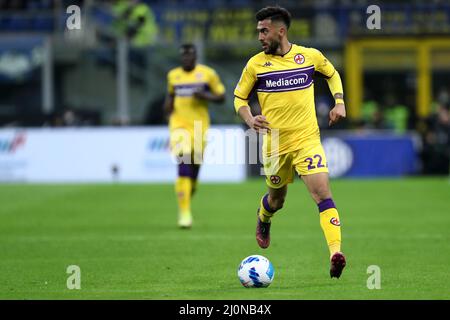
(282, 76)
(189, 87)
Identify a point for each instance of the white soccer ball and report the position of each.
(256, 271)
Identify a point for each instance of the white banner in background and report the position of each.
(112, 154)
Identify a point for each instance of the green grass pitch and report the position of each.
(125, 240)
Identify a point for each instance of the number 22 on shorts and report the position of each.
(311, 160)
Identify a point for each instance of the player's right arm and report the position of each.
(258, 123)
(242, 94)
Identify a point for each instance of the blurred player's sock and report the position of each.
(194, 184)
(183, 187)
(265, 211)
(331, 226)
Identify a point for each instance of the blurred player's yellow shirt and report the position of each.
(285, 89)
(182, 85)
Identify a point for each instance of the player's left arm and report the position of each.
(216, 92)
(327, 70)
(210, 96)
(335, 85)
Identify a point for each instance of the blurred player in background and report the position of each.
(282, 76)
(190, 88)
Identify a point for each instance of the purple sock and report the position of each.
(326, 204)
(265, 202)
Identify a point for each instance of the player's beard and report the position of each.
(273, 47)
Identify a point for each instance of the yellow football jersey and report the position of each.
(182, 84)
(285, 90)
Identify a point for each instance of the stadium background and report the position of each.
(84, 106)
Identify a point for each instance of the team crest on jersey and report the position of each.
(199, 76)
(275, 179)
(299, 58)
(335, 221)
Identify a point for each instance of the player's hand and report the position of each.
(337, 113)
(259, 123)
(203, 95)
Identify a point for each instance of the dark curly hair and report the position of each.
(185, 47)
(274, 14)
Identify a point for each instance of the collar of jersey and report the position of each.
(283, 55)
(191, 70)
